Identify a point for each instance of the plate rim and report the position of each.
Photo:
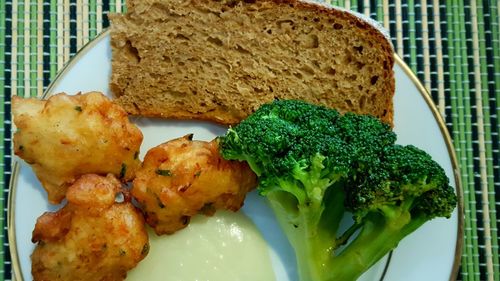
(11, 233)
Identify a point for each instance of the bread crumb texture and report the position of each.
(221, 60)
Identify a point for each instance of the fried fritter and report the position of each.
(92, 237)
(68, 136)
(182, 177)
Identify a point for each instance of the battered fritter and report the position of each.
(68, 136)
(92, 237)
(182, 177)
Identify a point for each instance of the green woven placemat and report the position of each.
(452, 46)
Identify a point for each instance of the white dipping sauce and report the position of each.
(227, 246)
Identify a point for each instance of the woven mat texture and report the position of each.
(452, 46)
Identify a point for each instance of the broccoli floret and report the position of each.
(316, 165)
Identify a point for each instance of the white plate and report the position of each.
(430, 253)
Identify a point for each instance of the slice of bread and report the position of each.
(220, 60)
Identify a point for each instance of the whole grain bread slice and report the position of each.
(220, 60)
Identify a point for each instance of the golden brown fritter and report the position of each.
(92, 237)
(68, 136)
(182, 177)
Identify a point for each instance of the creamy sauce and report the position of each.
(226, 246)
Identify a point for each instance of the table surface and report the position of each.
(452, 46)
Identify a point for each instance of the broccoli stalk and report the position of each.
(316, 165)
(299, 205)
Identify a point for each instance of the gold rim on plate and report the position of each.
(16, 267)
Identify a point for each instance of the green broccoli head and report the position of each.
(405, 179)
(284, 135)
(316, 165)
(275, 135)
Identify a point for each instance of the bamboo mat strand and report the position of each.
(453, 46)
(438, 62)
(480, 113)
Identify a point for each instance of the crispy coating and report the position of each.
(92, 237)
(182, 177)
(66, 136)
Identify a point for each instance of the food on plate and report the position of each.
(225, 247)
(221, 60)
(66, 136)
(183, 177)
(92, 237)
(315, 165)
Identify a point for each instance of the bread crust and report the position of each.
(138, 102)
